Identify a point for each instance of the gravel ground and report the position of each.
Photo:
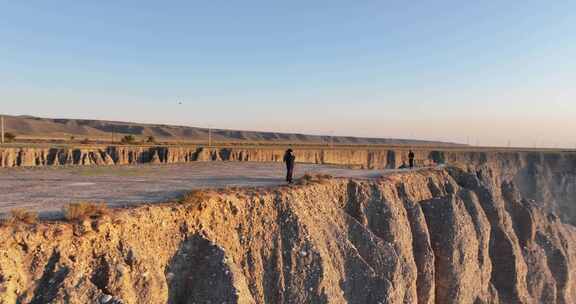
(46, 190)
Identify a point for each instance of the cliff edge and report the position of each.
(434, 236)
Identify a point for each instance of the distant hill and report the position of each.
(30, 128)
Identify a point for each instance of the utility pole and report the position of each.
(209, 136)
(331, 139)
(2, 127)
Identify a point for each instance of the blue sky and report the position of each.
(491, 71)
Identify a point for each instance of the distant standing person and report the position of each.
(411, 159)
(289, 159)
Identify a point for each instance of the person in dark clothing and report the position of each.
(289, 159)
(411, 159)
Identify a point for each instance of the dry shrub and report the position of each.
(196, 197)
(306, 177)
(85, 210)
(21, 216)
(313, 179)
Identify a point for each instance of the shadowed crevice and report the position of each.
(51, 281)
(198, 274)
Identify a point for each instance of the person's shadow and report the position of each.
(197, 273)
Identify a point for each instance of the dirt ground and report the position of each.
(47, 190)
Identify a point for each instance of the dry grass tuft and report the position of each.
(85, 210)
(196, 197)
(313, 179)
(21, 216)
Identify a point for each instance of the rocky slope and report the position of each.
(433, 236)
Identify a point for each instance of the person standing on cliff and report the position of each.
(289, 159)
(411, 159)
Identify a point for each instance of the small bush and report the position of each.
(22, 216)
(313, 179)
(128, 139)
(196, 197)
(305, 179)
(85, 210)
(9, 136)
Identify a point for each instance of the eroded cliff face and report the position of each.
(542, 177)
(129, 155)
(366, 158)
(435, 236)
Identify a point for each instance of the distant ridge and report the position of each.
(30, 127)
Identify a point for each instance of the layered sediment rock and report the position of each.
(129, 155)
(366, 158)
(434, 236)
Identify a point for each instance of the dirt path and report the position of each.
(46, 190)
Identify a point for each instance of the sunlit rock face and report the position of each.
(449, 235)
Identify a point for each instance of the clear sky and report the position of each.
(489, 71)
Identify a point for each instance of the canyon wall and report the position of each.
(448, 235)
(129, 155)
(366, 158)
